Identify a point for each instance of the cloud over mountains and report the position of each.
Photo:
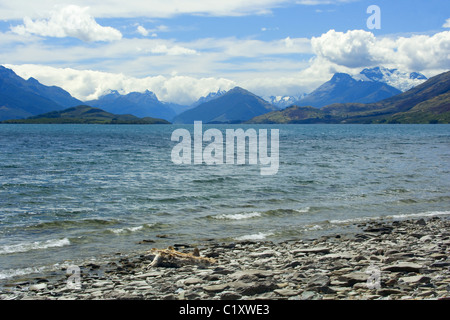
(359, 48)
(182, 50)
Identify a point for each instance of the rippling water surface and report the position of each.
(71, 192)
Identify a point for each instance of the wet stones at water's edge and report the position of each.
(387, 260)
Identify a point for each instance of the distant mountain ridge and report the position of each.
(235, 106)
(428, 102)
(342, 88)
(20, 98)
(370, 85)
(282, 102)
(209, 97)
(140, 104)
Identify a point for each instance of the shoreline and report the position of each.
(397, 260)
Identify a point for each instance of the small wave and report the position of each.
(314, 227)
(354, 220)
(257, 214)
(255, 236)
(72, 223)
(303, 210)
(131, 229)
(238, 216)
(396, 216)
(37, 245)
(212, 180)
(407, 201)
(281, 212)
(11, 273)
(420, 215)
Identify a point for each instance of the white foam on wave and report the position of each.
(238, 216)
(354, 220)
(302, 210)
(396, 216)
(10, 273)
(314, 227)
(255, 236)
(130, 229)
(420, 215)
(36, 245)
(126, 230)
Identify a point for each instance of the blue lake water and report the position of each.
(74, 192)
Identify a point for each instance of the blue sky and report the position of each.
(307, 21)
(184, 49)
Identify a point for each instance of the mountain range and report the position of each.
(428, 102)
(282, 102)
(351, 88)
(343, 88)
(21, 98)
(344, 98)
(235, 106)
(209, 97)
(144, 104)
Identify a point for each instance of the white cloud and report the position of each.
(70, 21)
(359, 48)
(351, 49)
(89, 84)
(150, 8)
(319, 2)
(144, 32)
(17, 9)
(172, 51)
(233, 47)
(288, 42)
(153, 31)
(446, 24)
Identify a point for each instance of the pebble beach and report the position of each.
(393, 260)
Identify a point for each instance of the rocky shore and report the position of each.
(407, 259)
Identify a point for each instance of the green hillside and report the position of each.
(426, 103)
(86, 115)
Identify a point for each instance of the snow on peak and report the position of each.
(282, 101)
(393, 77)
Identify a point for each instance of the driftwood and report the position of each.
(174, 259)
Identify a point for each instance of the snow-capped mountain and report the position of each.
(209, 97)
(343, 88)
(401, 80)
(282, 102)
(141, 104)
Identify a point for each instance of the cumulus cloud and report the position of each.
(69, 21)
(359, 48)
(351, 49)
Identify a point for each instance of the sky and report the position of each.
(184, 49)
